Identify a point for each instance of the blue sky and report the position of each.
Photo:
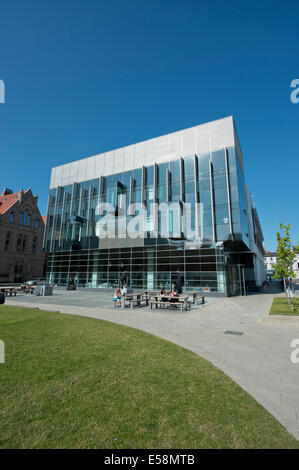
(84, 77)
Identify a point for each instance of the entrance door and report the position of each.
(235, 284)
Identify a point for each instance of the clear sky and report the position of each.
(85, 77)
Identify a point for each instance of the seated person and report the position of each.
(173, 296)
(163, 292)
(117, 296)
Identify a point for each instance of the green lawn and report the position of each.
(75, 382)
(280, 306)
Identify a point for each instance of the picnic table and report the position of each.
(8, 290)
(30, 289)
(180, 301)
(152, 292)
(27, 289)
(195, 296)
(149, 294)
(132, 300)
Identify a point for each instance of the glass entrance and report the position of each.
(235, 280)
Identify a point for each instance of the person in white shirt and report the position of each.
(124, 290)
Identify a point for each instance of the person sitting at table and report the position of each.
(117, 296)
(163, 292)
(174, 294)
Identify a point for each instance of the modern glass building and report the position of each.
(93, 201)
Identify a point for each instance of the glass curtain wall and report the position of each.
(215, 180)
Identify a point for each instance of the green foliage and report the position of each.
(286, 253)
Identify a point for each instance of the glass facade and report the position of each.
(214, 180)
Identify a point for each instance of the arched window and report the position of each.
(26, 218)
(34, 244)
(7, 240)
(36, 223)
(11, 217)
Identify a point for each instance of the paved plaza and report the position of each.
(234, 333)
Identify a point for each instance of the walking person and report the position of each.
(117, 296)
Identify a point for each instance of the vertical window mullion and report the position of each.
(228, 193)
(182, 180)
(212, 200)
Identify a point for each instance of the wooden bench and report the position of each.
(178, 304)
(131, 302)
(10, 291)
(29, 289)
(146, 298)
(195, 297)
(137, 302)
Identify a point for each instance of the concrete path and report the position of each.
(235, 334)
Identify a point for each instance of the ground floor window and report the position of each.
(141, 267)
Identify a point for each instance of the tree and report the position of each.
(286, 253)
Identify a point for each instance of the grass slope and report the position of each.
(76, 382)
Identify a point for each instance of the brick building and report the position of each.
(21, 237)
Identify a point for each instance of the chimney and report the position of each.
(35, 200)
(20, 195)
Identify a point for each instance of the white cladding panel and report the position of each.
(82, 169)
(139, 155)
(74, 173)
(200, 139)
(108, 165)
(65, 176)
(58, 175)
(128, 158)
(99, 166)
(118, 163)
(202, 136)
(90, 168)
(188, 142)
(174, 146)
(217, 135)
(53, 178)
